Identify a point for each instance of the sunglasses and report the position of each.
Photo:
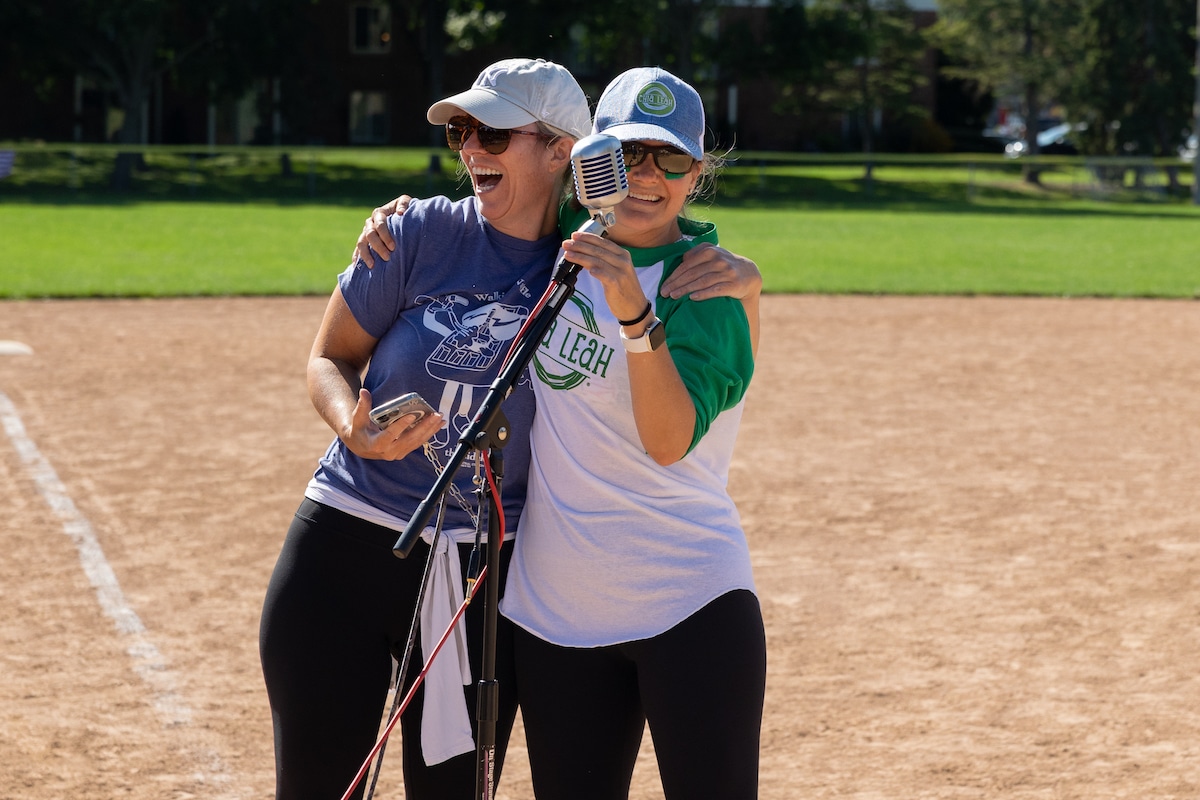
(670, 160)
(493, 140)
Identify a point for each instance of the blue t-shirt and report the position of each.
(445, 308)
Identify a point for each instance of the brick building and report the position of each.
(367, 84)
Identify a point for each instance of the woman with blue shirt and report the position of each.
(437, 319)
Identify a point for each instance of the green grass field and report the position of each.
(236, 224)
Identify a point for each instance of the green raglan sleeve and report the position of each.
(709, 341)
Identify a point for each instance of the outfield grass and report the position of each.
(233, 224)
(1101, 252)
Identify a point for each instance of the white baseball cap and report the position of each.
(518, 91)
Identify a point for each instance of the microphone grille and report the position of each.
(599, 168)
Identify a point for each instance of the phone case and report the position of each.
(410, 404)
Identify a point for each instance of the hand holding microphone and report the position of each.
(598, 166)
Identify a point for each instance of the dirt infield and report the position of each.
(975, 526)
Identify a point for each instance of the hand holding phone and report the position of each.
(411, 404)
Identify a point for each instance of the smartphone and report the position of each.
(411, 404)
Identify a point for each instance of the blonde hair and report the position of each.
(706, 182)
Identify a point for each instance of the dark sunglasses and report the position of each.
(670, 160)
(493, 140)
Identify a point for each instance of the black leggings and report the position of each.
(338, 607)
(700, 686)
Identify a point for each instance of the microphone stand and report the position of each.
(489, 429)
(487, 707)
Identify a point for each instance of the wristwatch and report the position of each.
(651, 339)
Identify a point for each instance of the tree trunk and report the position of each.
(686, 17)
(132, 100)
(132, 77)
(1196, 116)
(1032, 109)
(435, 59)
(866, 116)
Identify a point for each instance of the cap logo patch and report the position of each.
(656, 100)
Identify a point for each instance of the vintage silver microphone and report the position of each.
(599, 168)
(600, 183)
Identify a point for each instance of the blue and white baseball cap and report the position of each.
(648, 103)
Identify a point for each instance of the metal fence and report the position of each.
(322, 174)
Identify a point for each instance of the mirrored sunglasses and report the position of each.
(670, 160)
(493, 140)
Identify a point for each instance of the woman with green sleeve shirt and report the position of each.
(631, 585)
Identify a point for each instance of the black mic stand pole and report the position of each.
(489, 427)
(488, 430)
(487, 707)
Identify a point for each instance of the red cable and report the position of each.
(541, 303)
(491, 478)
(473, 588)
(362, 771)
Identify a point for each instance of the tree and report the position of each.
(770, 46)
(871, 62)
(859, 59)
(1135, 80)
(127, 46)
(1196, 115)
(117, 43)
(598, 40)
(1135, 90)
(1021, 48)
(790, 52)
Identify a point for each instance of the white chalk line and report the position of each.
(11, 347)
(148, 663)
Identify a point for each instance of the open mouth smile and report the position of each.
(647, 198)
(485, 178)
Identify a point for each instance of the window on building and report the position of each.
(368, 118)
(370, 28)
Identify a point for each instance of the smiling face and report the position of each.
(519, 189)
(649, 216)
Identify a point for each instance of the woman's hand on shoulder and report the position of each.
(375, 238)
(366, 439)
(708, 271)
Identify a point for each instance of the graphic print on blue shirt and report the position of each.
(475, 340)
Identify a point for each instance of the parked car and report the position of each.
(1053, 141)
(1187, 150)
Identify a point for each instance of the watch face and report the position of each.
(657, 334)
(651, 339)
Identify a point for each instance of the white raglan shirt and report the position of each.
(613, 546)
